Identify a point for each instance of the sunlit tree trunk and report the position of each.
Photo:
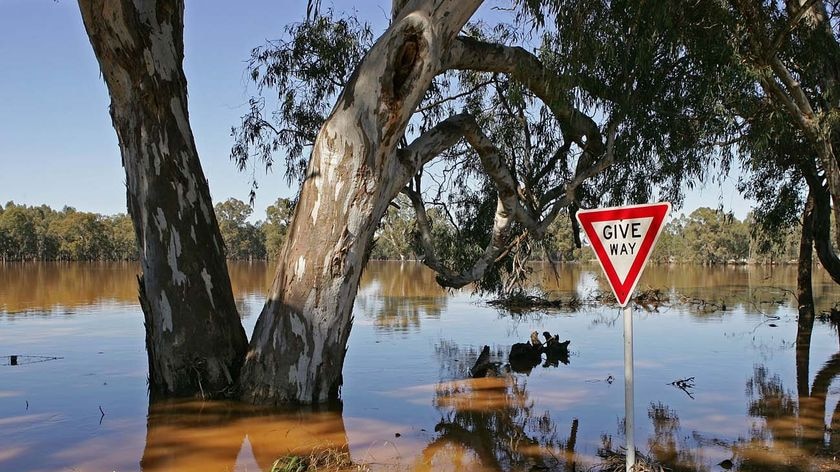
(194, 338)
(298, 347)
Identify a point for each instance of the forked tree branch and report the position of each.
(509, 207)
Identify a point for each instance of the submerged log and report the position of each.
(483, 366)
(555, 351)
(524, 357)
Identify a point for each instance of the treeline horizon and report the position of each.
(40, 233)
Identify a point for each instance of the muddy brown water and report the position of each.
(76, 398)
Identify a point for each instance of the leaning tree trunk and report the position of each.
(805, 298)
(822, 230)
(297, 350)
(194, 338)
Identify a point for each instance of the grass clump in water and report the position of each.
(324, 460)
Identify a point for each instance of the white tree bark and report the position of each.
(194, 338)
(297, 350)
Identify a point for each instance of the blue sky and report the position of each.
(57, 145)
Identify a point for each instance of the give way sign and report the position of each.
(623, 238)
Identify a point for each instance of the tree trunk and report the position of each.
(194, 338)
(822, 230)
(298, 347)
(805, 298)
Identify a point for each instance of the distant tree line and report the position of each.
(40, 233)
(705, 236)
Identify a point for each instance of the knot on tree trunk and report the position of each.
(405, 63)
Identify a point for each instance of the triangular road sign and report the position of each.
(623, 238)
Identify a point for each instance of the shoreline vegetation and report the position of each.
(40, 233)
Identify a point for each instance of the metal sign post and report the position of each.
(629, 417)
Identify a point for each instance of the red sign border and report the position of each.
(659, 211)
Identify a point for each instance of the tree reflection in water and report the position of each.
(201, 436)
(789, 431)
(491, 423)
(798, 429)
(398, 297)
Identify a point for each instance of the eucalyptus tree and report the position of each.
(194, 339)
(787, 111)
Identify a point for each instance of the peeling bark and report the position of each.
(298, 347)
(194, 338)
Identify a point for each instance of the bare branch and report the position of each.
(793, 87)
(582, 172)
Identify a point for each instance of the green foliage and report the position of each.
(243, 240)
(708, 236)
(307, 69)
(635, 60)
(276, 226)
(41, 233)
(395, 236)
(559, 244)
(676, 83)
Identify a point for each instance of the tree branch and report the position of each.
(454, 97)
(509, 208)
(446, 277)
(793, 87)
(794, 20)
(521, 65)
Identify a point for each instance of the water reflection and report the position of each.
(491, 423)
(202, 436)
(399, 296)
(47, 287)
(667, 445)
(760, 404)
(405, 293)
(705, 290)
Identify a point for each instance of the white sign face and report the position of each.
(622, 238)
(622, 241)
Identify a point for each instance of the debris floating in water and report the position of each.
(20, 359)
(686, 385)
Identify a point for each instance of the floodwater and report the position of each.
(407, 402)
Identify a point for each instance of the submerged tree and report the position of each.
(194, 338)
(509, 139)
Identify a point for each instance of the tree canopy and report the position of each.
(659, 93)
